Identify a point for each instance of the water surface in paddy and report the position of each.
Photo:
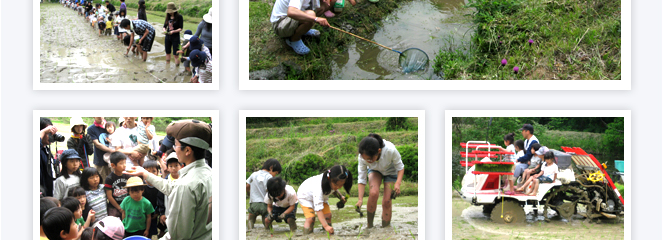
(419, 24)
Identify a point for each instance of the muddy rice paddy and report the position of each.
(468, 222)
(72, 52)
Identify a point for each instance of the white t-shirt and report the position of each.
(549, 171)
(511, 157)
(520, 154)
(122, 137)
(289, 199)
(310, 193)
(258, 182)
(281, 7)
(389, 163)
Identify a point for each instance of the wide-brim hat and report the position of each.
(134, 182)
(171, 8)
(75, 121)
(208, 17)
(191, 132)
(111, 227)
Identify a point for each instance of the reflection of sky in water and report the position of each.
(417, 24)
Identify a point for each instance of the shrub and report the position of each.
(410, 158)
(297, 171)
(397, 123)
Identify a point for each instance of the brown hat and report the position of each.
(191, 132)
(171, 8)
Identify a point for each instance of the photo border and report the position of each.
(213, 114)
(449, 114)
(38, 85)
(419, 114)
(623, 84)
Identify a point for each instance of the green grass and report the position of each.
(573, 39)
(190, 8)
(267, 50)
(332, 127)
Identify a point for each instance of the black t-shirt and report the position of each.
(177, 23)
(116, 184)
(94, 132)
(111, 8)
(153, 195)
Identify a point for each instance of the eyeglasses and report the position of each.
(176, 146)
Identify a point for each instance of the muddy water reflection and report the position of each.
(419, 24)
(72, 52)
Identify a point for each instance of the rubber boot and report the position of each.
(386, 223)
(293, 224)
(369, 218)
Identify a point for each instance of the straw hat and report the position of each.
(208, 17)
(134, 182)
(75, 121)
(171, 8)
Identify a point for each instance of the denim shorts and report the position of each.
(544, 179)
(385, 178)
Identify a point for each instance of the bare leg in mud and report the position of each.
(374, 181)
(252, 220)
(303, 28)
(308, 225)
(386, 204)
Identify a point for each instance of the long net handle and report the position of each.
(335, 28)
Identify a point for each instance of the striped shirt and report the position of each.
(96, 199)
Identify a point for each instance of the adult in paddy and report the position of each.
(381, 161)
(190, 196)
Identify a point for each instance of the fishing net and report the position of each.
(412, 60)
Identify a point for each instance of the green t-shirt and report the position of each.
(135, 219)
(80, 221)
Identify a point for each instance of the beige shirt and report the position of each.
(189, 201)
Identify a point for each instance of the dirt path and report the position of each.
(72, 52)
(404, 221)
(468, 222)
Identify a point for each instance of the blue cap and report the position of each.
(68, 154)
(188, 32)
(197, 57)
(194, 43)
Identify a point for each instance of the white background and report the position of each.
(19, 100)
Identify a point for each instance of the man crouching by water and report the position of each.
(292, 19)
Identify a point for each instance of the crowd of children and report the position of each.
(138, 35)
(533, 163)
(276, 201)
(122, 205)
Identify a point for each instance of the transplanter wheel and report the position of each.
(566, 210)
(508, 212)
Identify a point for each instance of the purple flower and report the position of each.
(530, 42)
(504, 62)
(500, 42)
(498, 36)
(515, 70)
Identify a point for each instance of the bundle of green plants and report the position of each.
(492, 167)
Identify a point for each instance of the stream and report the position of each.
(422, 24)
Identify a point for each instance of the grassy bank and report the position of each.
(268, 51)
(571, 39)
(305, 149)
(188, 8)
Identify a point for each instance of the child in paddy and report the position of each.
(281, 203)
(548, 174)
(109, 25)
(381, 161)
(137, 210)
(155, 197)
(94, 192)
(114, 185)
(69, 174)
(75, 207)
(314, 194)
(59, 224)
(256, 187)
